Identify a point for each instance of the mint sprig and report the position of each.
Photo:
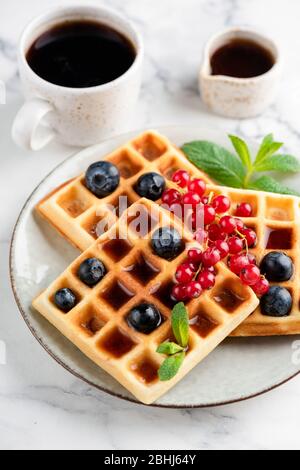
(240, 170)
(176, 352)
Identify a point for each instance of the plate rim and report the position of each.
(57, 359)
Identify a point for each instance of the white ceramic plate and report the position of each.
(236, 370)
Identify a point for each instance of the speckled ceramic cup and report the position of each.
(75, 116)
(239, 97)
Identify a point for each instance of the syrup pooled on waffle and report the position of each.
(98, 316)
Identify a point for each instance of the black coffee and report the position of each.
(241, 58)
(81, 54)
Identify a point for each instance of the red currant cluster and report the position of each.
(223, 236)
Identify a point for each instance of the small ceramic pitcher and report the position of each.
(239, 97)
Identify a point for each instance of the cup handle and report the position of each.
(30, 129)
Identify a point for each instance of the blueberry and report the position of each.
(277, 302)
(65, 300)
(150, 186)
(167, 243)
(102, 179)
(91, 271)
(144, 318)
(277, 267)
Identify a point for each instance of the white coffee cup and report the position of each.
(75, 116)
(239, 97)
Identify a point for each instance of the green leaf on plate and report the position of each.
(282, 163)
(180, 324)
(242, 150)
(171, 366)
(169, 348)
(217, 162)
(269, 184)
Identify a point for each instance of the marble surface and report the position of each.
(42, 406)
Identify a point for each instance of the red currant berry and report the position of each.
(205, 200)
(209, 215)
(244, 210)
(171, 196)
(211, 269)
(236, 245)
(250, 275)
(228, 224)
(197, 186)
(222, 248)
(250, 236)
(221, 204)
(261, 287)
(194, 266)
(193, 290)
(207, 279)
(215, 233)
(181, 177)
(211, 257)
(252, 259)
(184, 274)
(195, 255)
(201, 236)
(191, 199)
(239, 225)
(179, 293)
(238, 262)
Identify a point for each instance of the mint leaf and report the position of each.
(266, 183)
(267, 148)
(180, 324)
(282, 163)
(265, 145)
(217, 162)
(242, 150)
(170, 367)
(169, 348)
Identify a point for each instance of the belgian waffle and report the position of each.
(98, 327)
(278, 215)
(76, 213)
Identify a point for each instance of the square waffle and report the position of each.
(273, 214)
(135, 274)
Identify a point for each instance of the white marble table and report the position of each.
(41, 405)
